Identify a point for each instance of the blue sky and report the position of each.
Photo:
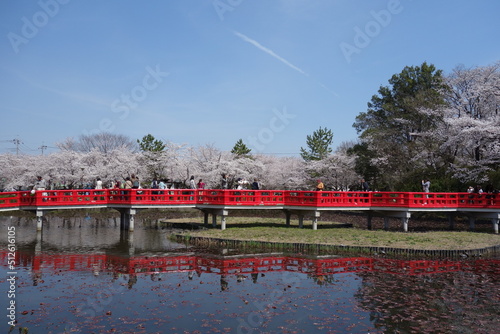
(202, 72)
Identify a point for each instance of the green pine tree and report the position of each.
(240, 149)
(318, 145)
(150, 144)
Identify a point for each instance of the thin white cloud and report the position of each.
(76, 96)
(269, 52)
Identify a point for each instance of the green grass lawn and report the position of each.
(274, 230)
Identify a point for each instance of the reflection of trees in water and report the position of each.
(322, 279)
(457, 302)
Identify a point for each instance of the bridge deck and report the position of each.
(219, 202)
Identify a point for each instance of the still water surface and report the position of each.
(83, 275)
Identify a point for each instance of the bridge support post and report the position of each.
(127, 219)
(223, 222)
(215, 212)
(223, 213)
(301, 214)
(39, 220)
(131, 220)
(451, 221)
(315, 220)
(301, 220)
(386, 223)
(472, 223)
(205, 218)
(405, 223)
(127, 241)
(123, 221)
(38, 243)
(493, 216)
(369, 221)
(288, 216)
(403, 215)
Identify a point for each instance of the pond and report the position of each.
(84, 275)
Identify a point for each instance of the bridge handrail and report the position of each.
(245, 265)
(231, 197)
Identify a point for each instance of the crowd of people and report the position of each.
(226, 182)
(133, 182)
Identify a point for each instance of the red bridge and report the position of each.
(219, 202)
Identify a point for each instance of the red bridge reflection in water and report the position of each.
(238, 265)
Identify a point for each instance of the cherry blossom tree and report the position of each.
(472, 123)
(104, 142)
(282, 172)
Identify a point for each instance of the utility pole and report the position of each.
(43, 147)
(17, 142)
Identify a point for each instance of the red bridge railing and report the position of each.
(245, 265)
(257, 198)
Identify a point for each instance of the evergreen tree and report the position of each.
(363, 165)
(393, 128)
(240, 149)
(319, 145)
(152, 151)
(150, 144)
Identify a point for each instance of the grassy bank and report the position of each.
(330, 233)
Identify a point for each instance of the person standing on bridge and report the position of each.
(364, 185)
(224, 182)
(128, 183)
(40, 184)
(192, 183)
(135, 181)
(255, 185)
(426, 185)
(98, 183)
(320, 186)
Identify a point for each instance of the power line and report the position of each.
(17, 142)
(20, 147)
(43, 147)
